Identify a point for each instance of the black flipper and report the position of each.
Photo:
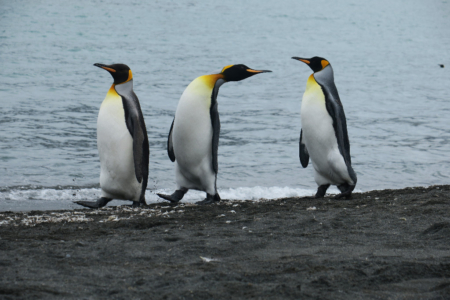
(304, 155)
(215, 122)
(209, 199)
(91, 204)
(325, 79)
(134, 120)
(170, 143)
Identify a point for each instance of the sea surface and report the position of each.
(385, 56)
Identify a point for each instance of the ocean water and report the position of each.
(385, 56)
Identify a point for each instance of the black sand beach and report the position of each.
(390, 244)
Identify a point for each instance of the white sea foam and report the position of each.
(74, 194)
(62, 198)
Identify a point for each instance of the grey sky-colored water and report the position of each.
(385, 55)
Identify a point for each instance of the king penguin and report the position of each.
(122, 142)
(193, 139)
(324, 136)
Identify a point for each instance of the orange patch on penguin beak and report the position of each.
(253, 71)
(109, 69)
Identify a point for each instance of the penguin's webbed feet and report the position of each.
(138, 204)
(346, 191)
(99, 203)
(175, 197)
(168, 198)
(209, 199)
(321, 190)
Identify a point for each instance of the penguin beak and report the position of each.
(258, 71)
(306, 61)
(105, 67)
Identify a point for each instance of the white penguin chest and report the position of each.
(115, 147)
(192, 132)
(112, 132)
(317, 124)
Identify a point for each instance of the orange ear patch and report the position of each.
(224, 68)
(130, 76)
(324, 63)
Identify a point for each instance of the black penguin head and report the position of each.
(120, 72)
(316, 63)
(239, 72)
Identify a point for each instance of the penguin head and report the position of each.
(316, 63)
(120, 72)
(239, 72)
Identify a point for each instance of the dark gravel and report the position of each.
(390, 244)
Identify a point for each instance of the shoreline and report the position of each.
(65, 201)
(380, 244)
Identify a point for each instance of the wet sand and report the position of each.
(390, 244)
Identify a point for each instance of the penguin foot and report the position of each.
(209, 199)
(136, 204)
(347, 194)
(167, 197)
(321, 190)
(343, 187)
(99, 203)
(175, 197)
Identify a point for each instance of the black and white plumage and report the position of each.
(122, 142)
(324, 136)
(193, 140)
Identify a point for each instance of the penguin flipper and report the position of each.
(141, 149)
(134, 120)
(215, 122)
(304, 155)
(170, 143)
(336, 111)
(325, 79)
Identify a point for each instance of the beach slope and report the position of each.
(381, 244)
